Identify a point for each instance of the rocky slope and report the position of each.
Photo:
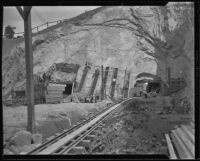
(76, 44)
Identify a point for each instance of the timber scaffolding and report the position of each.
(47, 90)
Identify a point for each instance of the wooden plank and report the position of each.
(170, 147)
(180, 147)
(52, 148)
(54, 95)
(94, 82)
(20, 10)
(53, 92)
(85, 143)
(102, 89)
(190, 135)
(126, 85)
(57, 85)
(85, 71)
(55, 88)
(190, 129)
(105, 80)
(192, 124)
(113, 82)
(77, 150)
(188, 144)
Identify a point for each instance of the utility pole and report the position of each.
(26, 15)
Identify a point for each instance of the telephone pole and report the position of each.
(26, 15)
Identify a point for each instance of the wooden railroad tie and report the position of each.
(77, 150)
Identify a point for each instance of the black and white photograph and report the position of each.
(99, 80)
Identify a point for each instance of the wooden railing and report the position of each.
(40, 27)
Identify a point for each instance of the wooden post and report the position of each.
(85, 71)
(124, 84)
(26, 15)
(102, 91)
(105, 79)
(128, 82)
(94, 82)
(113, 82)
(72, 88)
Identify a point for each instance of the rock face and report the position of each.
(179, 33)
(74, 41)
(70, 43)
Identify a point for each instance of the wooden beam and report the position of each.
(128, 82)
(85, 143)
(20, 10)
(169, 76)
(184, 138)
(102, 92)
(180, 147)
(77, 150)
(113, 82)
(27, 10)
(94, 82)
(124, 83)
(170, 147)
(85, 71)
(105, 79)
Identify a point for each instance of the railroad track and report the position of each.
(79, 137)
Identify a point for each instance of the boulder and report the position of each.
(7, 152)
(21, 138)
(10, 132)
(37, 138)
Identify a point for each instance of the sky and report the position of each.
(41, 15)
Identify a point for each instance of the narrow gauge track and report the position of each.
(78, 138)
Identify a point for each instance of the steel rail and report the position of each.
(65, 132)
(65, 141)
